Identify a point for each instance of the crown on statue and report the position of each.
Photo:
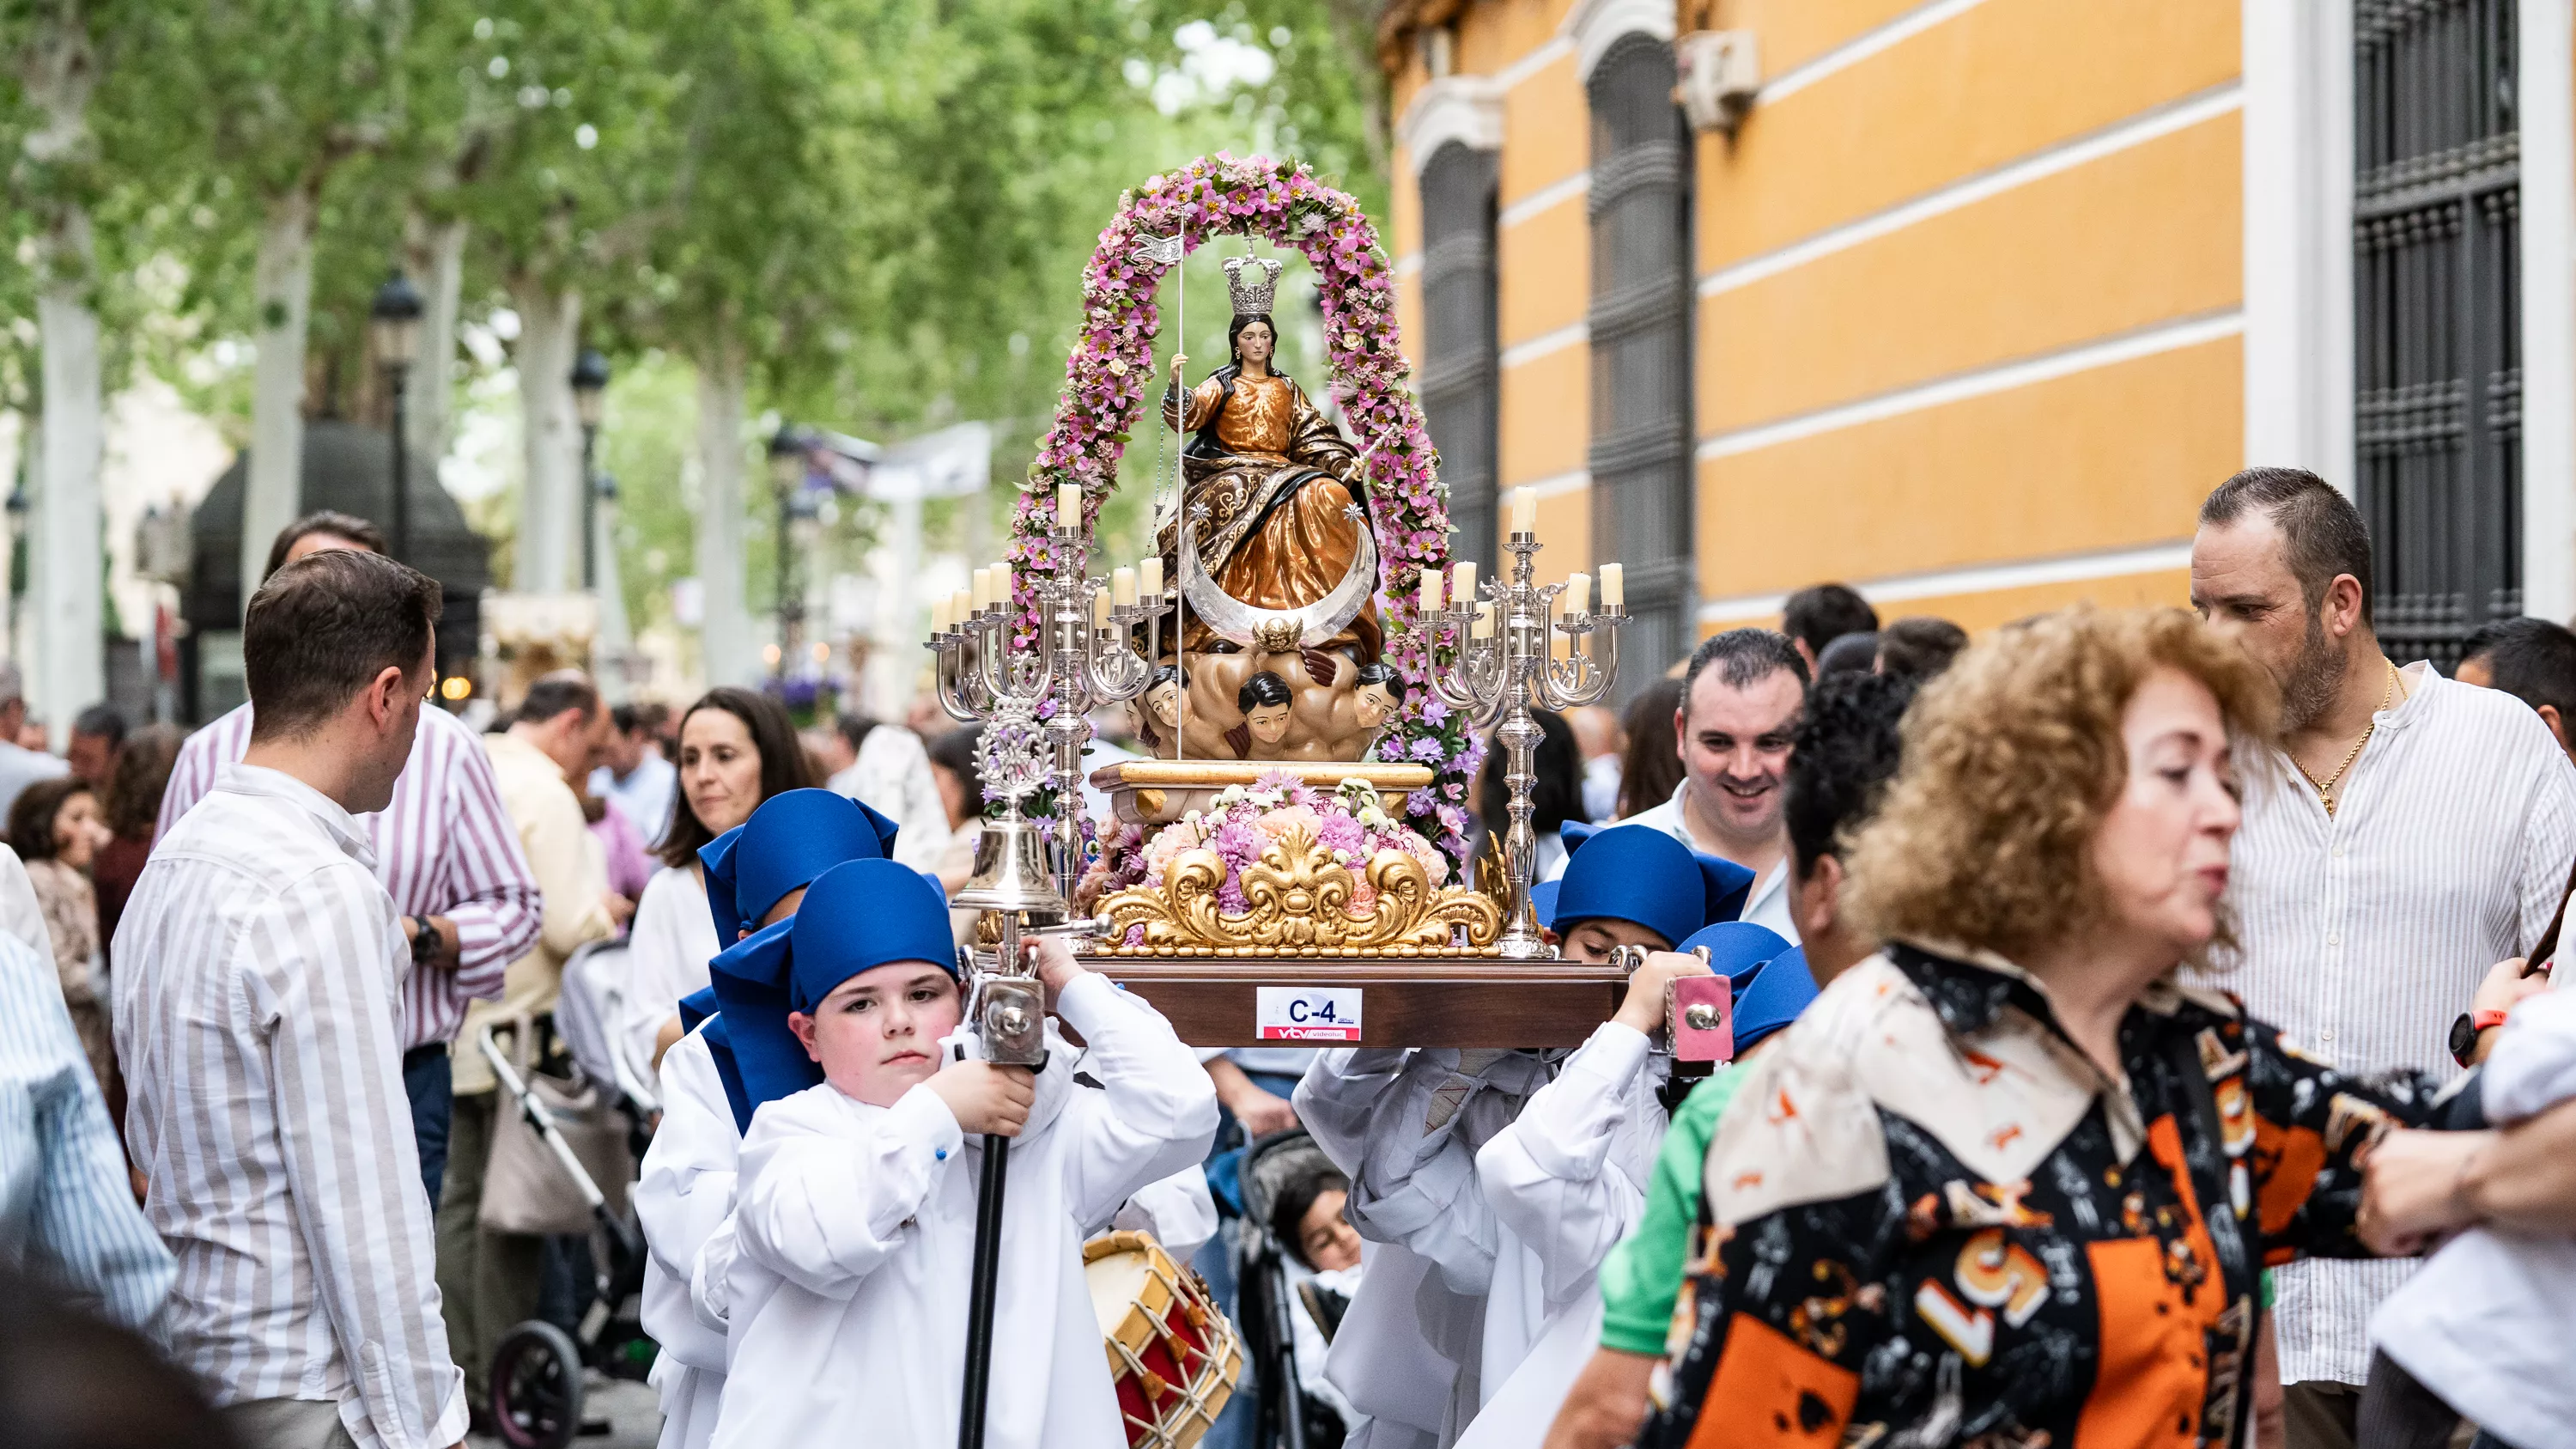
(1252, 293)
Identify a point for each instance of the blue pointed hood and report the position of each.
(1639, 874)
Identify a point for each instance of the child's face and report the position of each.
(1326, 1241)
(1376, 705)
(1595, 939)
(1269, 722)
(878, 1033)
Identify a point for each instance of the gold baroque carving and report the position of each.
(1299, 900)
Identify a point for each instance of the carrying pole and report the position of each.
(985, 1280)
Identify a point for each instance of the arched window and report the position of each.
(1641, 349)
(2437, 317)
(1459, 377)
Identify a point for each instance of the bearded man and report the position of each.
(2405, 835)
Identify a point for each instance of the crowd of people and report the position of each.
(2113, 999)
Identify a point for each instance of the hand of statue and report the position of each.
(1178, 358)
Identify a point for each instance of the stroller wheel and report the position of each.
(536, 1387)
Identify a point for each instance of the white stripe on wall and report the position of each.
(2145, 342)
(1556, 48)
(2137, 130)
(1555, 193)
(1545, 343)
(1407, 265)
(1861, 47)
(1983, 578)
(1557, 485)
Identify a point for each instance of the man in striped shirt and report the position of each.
(257, 1024)
(2409, 833)
(445, 849)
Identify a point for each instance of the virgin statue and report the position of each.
(1280, 488)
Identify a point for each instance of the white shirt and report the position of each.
(67, 1213)
(1405, 1126)
(2487, 1321)
(667, 949)
(644, 794)
(20, 768)
(855, 1229)
(683, 1197)
(1769, 903)
(258, 962)
(892, 777)
(1568, 1178)
(445, 847)
(21, 914)
(2366, 933)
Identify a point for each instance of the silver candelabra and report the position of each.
(1503, 667)
(1084, 657)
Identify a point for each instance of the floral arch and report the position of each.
(1113, 362)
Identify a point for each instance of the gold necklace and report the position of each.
(2325, 788)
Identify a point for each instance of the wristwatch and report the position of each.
(424, 941)
(2466, 1031)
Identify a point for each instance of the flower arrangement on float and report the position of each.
(1112, 363)
(1245, 821)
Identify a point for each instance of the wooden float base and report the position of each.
(1475, 1002)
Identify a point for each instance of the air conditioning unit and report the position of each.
(1720, 72)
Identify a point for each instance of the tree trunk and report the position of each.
(283, 279)
(724, 634)
(616, 641)
(550, 505)
(437, 254)
(70, 617)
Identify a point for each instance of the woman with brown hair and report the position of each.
(136, 780)
(1652, 770)
(54, 827)
(2013, 1180)
(737, 748)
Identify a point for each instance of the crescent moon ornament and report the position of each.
(1278, 631)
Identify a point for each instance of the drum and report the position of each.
(1173, 1357)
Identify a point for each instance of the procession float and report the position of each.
(1312, 673)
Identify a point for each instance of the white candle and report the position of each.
(1068, 505)
(1524, 510)
(1578, 594)
(1123, 583)
(1430, 590)
(1100, 607)
(983, 587)
(1614, 586)
(1484, 621)
(961, 605)
(939, 616)
(1003, 585)
(1462, 585)
(1150, 577)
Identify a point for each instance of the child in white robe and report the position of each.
(756, 874)
(1408, 1125)
(1568, 1177)
(855, 1210)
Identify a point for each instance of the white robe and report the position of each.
(1447, 1301)
(855, 1231)
(684, 1197)
(1567, 1179)
(667, 951)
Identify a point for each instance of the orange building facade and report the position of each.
(1969, 302)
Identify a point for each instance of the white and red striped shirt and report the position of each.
(444, 847)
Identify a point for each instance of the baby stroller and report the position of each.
(1266, 1298)
(537, 1368)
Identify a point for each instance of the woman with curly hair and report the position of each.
(2013, 1179)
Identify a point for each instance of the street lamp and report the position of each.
(589, 399)
(788, 450)
(393, 334)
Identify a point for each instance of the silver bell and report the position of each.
(1011, 872)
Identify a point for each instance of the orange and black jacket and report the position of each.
(1930, 1220)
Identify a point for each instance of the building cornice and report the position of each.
(1463, 108)
(1592, 26)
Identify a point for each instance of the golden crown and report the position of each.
(1252, 294)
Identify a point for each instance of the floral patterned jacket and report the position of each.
(1931, 1220)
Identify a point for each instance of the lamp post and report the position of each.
(787, 462)
(393, 334)
(589, 399)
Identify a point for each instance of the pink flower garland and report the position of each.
(1104, 394)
